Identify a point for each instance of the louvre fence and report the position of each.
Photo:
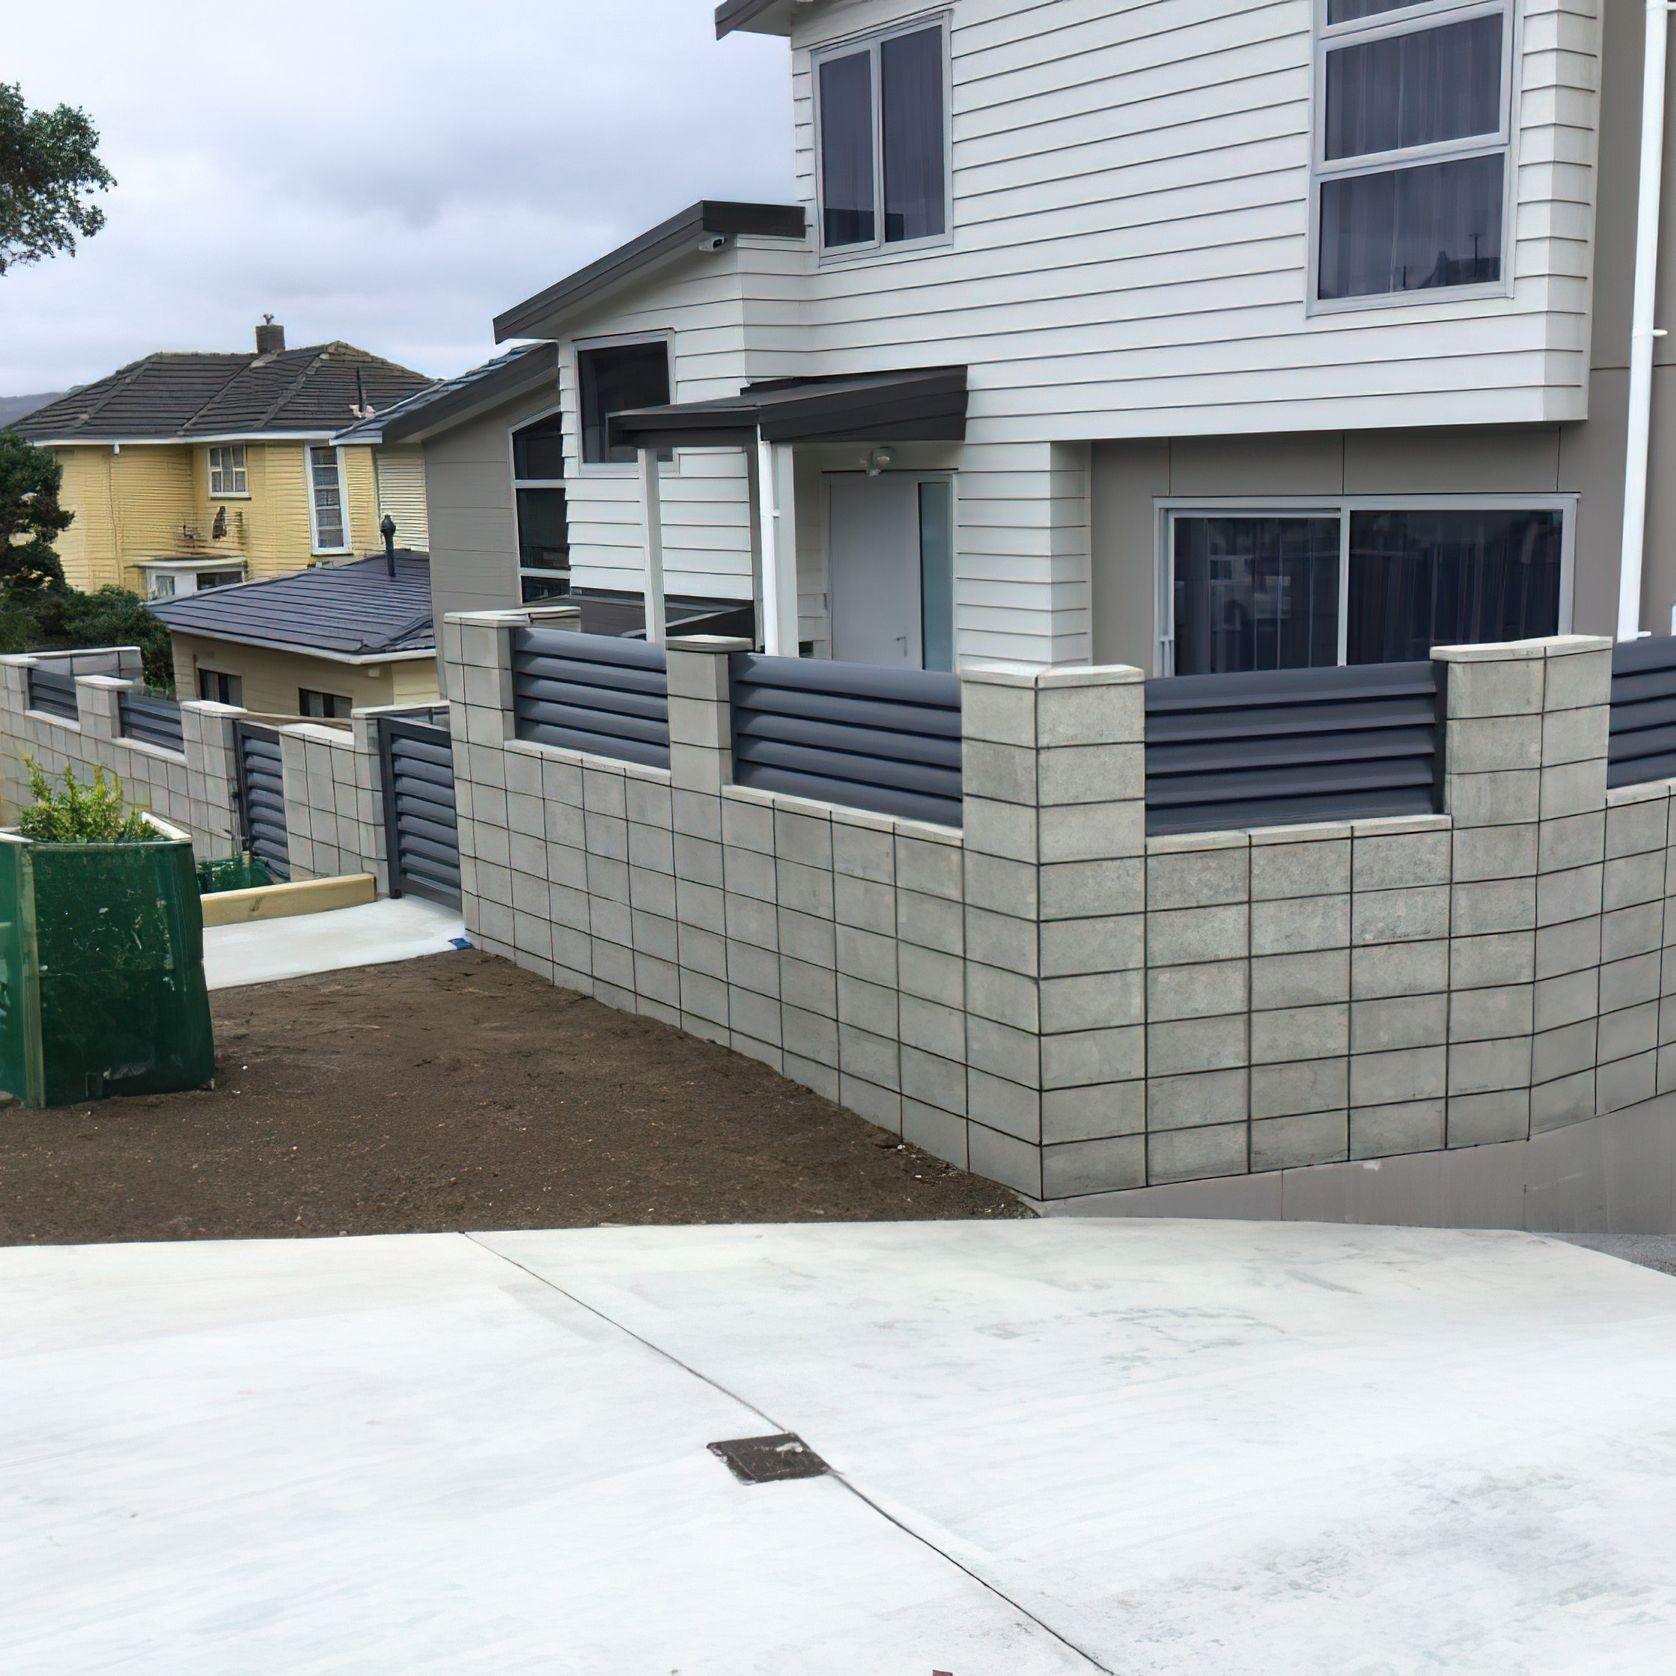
(886, 740)
(1641, 737)
(53, 692)
(1270, 749)
(592, 692)
(151, 720)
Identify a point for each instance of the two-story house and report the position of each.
(1203, 335)
(193, 471)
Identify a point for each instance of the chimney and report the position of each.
(270, 339)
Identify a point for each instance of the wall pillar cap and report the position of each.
(209, 707)
(999, 674)
(117, 682)
(1505, 651)
(712, 643)
(1091, 675)
(488, 619)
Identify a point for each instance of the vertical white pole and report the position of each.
(1643, 328)
(768, 519)
(652, 506)
(785, 546)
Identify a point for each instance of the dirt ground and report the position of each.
(456, 1092)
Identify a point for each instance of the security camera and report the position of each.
(712, 241)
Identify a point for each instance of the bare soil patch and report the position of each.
(456, 1092)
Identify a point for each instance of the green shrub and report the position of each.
(80, 814)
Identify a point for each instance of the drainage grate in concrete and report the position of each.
(766, 1460)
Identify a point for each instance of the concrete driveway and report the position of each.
(1057, 1447)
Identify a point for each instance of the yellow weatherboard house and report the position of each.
(187, 471)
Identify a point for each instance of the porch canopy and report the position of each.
(767, 419)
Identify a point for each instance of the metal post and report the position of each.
(652, 583)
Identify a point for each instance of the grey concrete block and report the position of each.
(1626, 1082)
(756, 969)
(1313, 1085)
(607, 836)
(872, 1101)
(1401, 860)
(998, 714)
(1300, 926)
(1379, 1025)
(813, 1036)
(932, 1028)
(1103, 713)
(1628, 983)
(1400, 916)
(1091, 1056)
(871, 1007)
(863, 1053)
(1502, 799)
(1005, 773)
(1564, 1051)
(603, 793)
(863, 852)
(652, 890)
(1008, 830)
(1572, 788)
(700, 905)
(1004, 1105)
(1091, 831)
(1571, 841)
(866, 954)
(1567, 1100)
(701, 951)
(1630, 1031)
(940, 1133)
(1630, 931)
(1567, 948)
(932, 922)
(1295, 1142)
(1198, 936)
(932, 869)
(1089, 1003)
(1484, 908)
(1197, 1044)
(697, 814)
(1319, 868)
(933, 1080)
(992, 992)
(1482, 1015)
(812, 989)
(1188, 1154)
(1093, 1113)
(1199, 879)
(754, 1015)
(1567, 999)
(1482, 1067)
(1006, 887)
(1091, 773)
(1095, 1166)
(1407, 1074)
(1511, 687)
(1489, 1118)
(1300, 1033)
(651, 847)
(1085, 889)
(1105, 943)
(1484, 745)
(1300, 980)
(1388, 969)
(807, 937)
(1577, 735)
(866, 903)
(1003, 1158)
(1635, 827)
(696, 859)
(1002, 940)
(1005, 1052)
(748, 872)
(1574, 893)
(1578, 680)
(751, 921)
(931, 975)
(808, 890)
(1197, 1099)
(653, 934)
(1388, 1131)
(1203, 991)
(802, 838)
(747, 826)
(1633, 880)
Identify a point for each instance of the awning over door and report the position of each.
(921, 404)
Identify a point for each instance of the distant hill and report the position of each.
(15, 407)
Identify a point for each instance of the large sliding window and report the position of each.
(881, 126)
(543, 521)
(1413, 124)
(1356, 582)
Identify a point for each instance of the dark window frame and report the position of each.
(596, 458)
(327, 707)
(540, 581)
(224, 681)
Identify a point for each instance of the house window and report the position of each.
(1411, 147)
(613, 378)
(543, 527)
(327, 500)
(227, 474)
(218, 687)
(1357, 582)
(882, 140)
(163, 586)
(219, 579)
(328, 706)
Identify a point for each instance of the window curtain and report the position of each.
(846, 101)
(1255, 593)
(911, 97)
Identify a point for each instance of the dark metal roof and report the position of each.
(747, 14)
(920, 404)
(451, 399)
(350, 610)
(707, 218)
(170, 396)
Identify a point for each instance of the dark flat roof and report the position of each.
(348, 610)
(918, 404)
(767, 16)
(707, 218)
(173, 396)
(450, 399)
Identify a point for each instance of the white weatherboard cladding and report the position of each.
(1131, 238)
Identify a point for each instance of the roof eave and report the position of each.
(759, 17)
(409, 654)
(531, 372)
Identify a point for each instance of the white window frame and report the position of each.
(617, 340)
(871, 44)
(234, 470)
(314, 545)
(1430, 14)
(1168, 509)
(523, 424)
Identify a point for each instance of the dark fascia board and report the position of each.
(428, 419)
(532, 317)
(766, 17)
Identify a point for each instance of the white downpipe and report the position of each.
(777, 518)
(1644, 332)
(651, 501)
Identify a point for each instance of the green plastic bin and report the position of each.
(101, 971)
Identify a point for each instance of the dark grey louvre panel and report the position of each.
(1641, 745)
(887, 740)
(152, 721)
(262, 796)
(420, 815)
(592, 692)
(53, 692)
(1232, 751)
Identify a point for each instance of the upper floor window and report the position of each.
(328, 506)
(882, 140)
(227, 474)
(613, 378)
(543, 521)
(324, 706)
(1411, 145)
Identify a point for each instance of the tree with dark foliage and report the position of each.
(49, 168)
(30, 517)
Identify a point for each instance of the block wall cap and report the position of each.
(1384, 826)
(863, 818)
(1092, 675)
(107, 681)
(999, 674)
(748, 794)
(1307, 833)
(929, 833)
(1507, 651)
(1648, 792)
(1178, 843)
(1561, 645)
(712, 643)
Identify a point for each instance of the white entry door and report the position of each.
(889, 565)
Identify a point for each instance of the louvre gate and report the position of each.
(422, 839)
(262, 796)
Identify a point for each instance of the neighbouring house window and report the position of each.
(543, 524)
(1411, 146)
(326, 500)
(219, 579)
(882, 140)
(163, 586)
(1358, 583)
(613, 378)
(217, 686)
(227, 474)
(325, 705)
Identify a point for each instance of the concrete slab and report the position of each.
(1060, 1446)
(264, 951)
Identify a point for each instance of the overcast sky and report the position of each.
(393, 174)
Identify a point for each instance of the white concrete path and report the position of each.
(1196, 1448)
(266, 950)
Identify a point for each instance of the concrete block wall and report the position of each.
(334, 808)
(1055, 1000)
